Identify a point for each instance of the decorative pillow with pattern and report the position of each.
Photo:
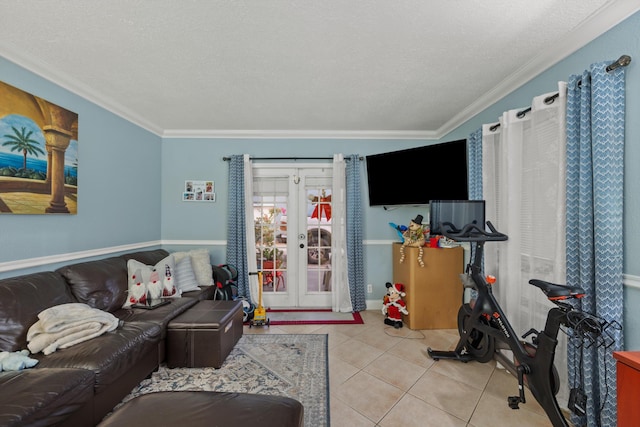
(185, 277)
(150, 282)
(201, 263)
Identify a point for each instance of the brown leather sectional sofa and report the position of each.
(79, 385)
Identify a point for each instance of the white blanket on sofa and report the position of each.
(65, 325)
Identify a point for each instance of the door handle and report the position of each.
(301, 245)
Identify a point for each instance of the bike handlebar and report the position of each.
(472, 233)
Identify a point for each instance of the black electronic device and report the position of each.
(417, 175)
(577, 401)
(151, 304)
(457, 212)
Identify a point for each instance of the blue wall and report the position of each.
(119, 183)
(131, 180)
(202, 159)
(207, 221)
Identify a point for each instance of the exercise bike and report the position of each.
(483, 328)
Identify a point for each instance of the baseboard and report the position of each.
(374, 304)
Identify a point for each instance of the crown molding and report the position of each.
(297, 134)
(42, 69)
(603, 20)
(599, 23)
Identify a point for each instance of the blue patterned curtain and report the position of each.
(595, 161)
(236, 234)
(355, 231)
(474, 148)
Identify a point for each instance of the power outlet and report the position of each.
(369, 288)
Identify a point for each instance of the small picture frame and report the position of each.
(198, 191)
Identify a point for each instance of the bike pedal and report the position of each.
(514, 402)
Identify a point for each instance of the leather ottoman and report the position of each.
(207, 409)
(204, 335)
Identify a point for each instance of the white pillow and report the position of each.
(179, 256)
(201, 264)
(185, 277)
(146, 281)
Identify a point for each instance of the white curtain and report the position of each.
(524, 185)
(252, 264)
(341, 299)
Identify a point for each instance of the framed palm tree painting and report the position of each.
(38, 155)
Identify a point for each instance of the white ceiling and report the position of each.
(298, 68)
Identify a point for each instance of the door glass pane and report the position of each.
(269, 212)
(318, 238)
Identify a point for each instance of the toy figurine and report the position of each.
(414, 237)
(400, 229)
(393, 306)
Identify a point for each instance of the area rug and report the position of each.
(289, 365)
(312, 317)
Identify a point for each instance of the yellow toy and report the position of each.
(260, 313)
(414, 237)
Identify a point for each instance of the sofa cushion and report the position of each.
(110, 355)
(150, 281)
(22, 298)
(43, 397)
(101, 284)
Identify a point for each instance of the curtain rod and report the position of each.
(290, 158)
(623, 61)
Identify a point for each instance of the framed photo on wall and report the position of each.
(199, 191)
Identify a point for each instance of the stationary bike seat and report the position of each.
(555, 292)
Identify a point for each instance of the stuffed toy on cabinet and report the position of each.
(414, 237)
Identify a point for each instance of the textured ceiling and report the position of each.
(370, 68)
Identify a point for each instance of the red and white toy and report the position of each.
(393, 306)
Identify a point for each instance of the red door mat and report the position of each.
(312, 317)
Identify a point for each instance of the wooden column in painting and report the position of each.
(57, 142)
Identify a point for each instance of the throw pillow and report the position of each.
(179, 256)
(150, 282)
(201, 263)
(185, 277)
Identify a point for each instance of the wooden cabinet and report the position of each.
(628, 386)
(434, 292)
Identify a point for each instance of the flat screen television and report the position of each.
(457, 212)
(417, 175)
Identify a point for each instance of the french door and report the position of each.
(293, 226)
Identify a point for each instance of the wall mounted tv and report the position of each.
(417, 175)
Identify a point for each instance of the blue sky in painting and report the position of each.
(18, 121)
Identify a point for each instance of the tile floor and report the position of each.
(381, 376)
